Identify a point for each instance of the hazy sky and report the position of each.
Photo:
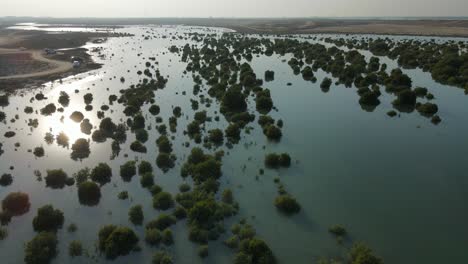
(232, 8)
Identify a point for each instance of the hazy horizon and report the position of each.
(236, 17)
(234, 9)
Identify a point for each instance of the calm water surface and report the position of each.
(399, 184)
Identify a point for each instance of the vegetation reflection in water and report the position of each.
(146, 124)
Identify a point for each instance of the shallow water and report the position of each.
(57, 28)
(398, 184)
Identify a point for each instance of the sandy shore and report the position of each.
(411, 26)
(56, 66)
(33, 42)
(443, 28)
(29, 66)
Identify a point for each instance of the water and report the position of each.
(397, 184)
(61, 28)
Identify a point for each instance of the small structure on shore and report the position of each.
(76, 58)
(48, 51)
(98, 41)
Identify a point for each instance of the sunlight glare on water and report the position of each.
(67, 126)
(61, 122)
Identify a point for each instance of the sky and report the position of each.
(233, 8)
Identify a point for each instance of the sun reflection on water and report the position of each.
(61, 122)
(67, 126)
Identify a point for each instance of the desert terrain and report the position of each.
(24, 62)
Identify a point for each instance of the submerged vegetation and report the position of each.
(6, 179)
(101, 174)
(287, 204)
(48, 109)
(163, 201)
(230, 105)
(75, 248)
(48, 219)
(16, 203)
(80, 149)
(41, 249)
(116, 241)
(56, 179)
(3, 233)
(128, 170)
(274, 160)
(77, 116)
(89, 193)
(137, 146)
(162, 257)
(361, 254)
(337, 230)
(136, 215)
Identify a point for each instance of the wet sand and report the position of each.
(443, 28)
(54, 66)
(33, 67)
(411, 26)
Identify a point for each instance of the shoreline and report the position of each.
(437, 26)
(454, 29)
(63, 70)
(29, 45)
(33, 41)
(54, 66)
(349, 33)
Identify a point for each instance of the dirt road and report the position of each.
(56, 66)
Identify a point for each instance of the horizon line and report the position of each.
(240, 17)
